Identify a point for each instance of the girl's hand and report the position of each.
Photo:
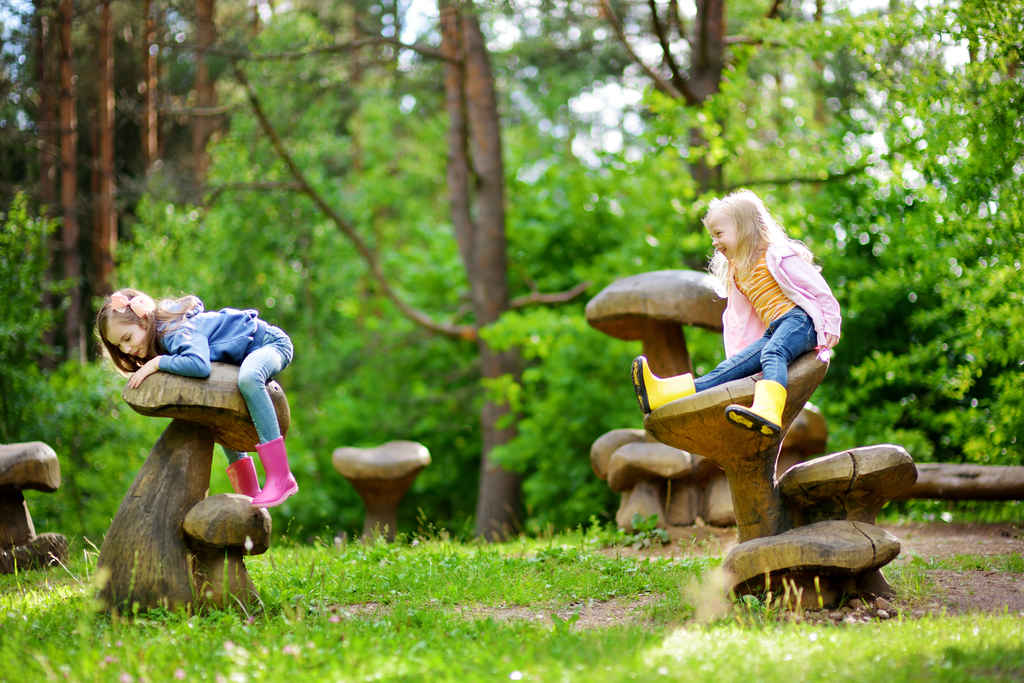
(831, 340)
(151, 366)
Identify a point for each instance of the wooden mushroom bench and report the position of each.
(381, 476)
(31, 465)
(811, 528)
(151, 558)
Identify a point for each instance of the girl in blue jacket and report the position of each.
(178, 336)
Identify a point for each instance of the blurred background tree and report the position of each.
(887, 136)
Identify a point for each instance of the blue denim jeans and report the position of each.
(788, 337)
(259, 367)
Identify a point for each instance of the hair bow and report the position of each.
(140, 304)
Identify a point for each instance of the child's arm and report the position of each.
(188, 353)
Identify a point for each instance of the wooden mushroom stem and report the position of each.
(16, 525)
(756, 501)
(381, 498)
(144, 550)
(664, 344)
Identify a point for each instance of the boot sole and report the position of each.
(638, 385)
(292, 490)
(742, 417)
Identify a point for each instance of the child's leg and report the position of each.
(793, 337)
(241, 472)
(743, 364)
(789, 337)
(256, 370)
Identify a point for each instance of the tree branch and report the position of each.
(659, 82)
(813, 180)
(551, 298)
(659, 30)
(465, 332)
(773, 11)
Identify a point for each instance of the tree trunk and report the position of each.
(105, 239)
(71, 259)
(705, 77)
(150, 151)
(49, 149)
(479, 220)
(206, 97)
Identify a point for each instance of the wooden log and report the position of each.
(946, 481)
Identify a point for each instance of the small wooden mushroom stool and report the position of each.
(31, 465)
(220, 530)
(145, 550)
(381, 476)
(812, 566)
(660, 480)
(852, 484)
(652, 307)
(697, 424)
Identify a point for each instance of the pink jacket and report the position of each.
(805, 287)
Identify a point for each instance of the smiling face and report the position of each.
(723, 230)
(130, 338)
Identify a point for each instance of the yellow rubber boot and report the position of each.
(765, 416)
(652, 391)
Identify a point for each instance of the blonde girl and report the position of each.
(778, 308)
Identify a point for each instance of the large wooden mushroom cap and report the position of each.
(852, 484)
(220, 530)
(825, 559)
(30, 465)
(381, 476)
(697, 424)
(213, 402)
(652, 307)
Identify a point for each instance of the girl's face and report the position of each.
(722, 229)
(129, 337)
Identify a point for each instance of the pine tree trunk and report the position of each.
(150, 151)
(74, 334)
(105, 235)
(206, 96)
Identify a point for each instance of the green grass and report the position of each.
(438, 610)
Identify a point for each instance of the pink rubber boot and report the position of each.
(242, 475)
(280, 483)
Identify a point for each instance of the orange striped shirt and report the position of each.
(764, 293)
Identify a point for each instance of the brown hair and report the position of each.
(166, 313)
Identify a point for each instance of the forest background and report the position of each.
(425, 198)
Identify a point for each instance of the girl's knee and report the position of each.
(249, 382)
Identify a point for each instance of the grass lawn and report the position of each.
(435, 609)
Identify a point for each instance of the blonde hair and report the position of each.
(756, 230)
(167, 313)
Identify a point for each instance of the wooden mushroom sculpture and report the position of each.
(381, 476)
(852, 484)
(652, 307)
(31, 465)
(697, 424)
(819, 562)
(145, 551)
(220, 530)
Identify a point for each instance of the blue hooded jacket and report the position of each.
(203, 337)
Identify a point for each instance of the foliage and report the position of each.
(73, 408)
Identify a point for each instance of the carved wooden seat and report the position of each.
(145, 551)
(697, 424)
